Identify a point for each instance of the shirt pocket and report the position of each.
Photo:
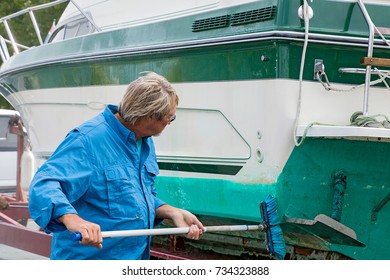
(123, 193)
(151, 173)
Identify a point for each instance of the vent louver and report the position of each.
(253, 16)
(210, 23)
(246, 17)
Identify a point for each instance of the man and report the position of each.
(101, 178)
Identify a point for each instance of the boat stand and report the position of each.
(15, 228)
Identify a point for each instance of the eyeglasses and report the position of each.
(172, 118)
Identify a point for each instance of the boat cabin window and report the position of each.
(7, 140)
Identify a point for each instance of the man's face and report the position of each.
(155, 127)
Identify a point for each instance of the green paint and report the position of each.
(307, 181)
(221, 198)
(303, 190)
(218, 63)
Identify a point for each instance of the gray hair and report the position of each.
(149, 95)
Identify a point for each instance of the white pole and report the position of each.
(183, 230)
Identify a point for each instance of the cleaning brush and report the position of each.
(270, 225)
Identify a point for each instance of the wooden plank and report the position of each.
(375, 61)
(383, 30)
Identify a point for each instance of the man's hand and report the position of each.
(90, 232)
(182, 218)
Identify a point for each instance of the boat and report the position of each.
(287, 98)
(8, 143)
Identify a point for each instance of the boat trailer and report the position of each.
(14, 213)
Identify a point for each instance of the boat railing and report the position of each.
(369, 61)
(370, 52)
(4, 53)
(354, 130)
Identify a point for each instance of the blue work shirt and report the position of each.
(98, 173)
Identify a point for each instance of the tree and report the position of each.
(22, 27)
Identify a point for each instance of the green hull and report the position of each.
(305, 187)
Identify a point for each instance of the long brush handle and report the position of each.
(166, 231)
(270, 225)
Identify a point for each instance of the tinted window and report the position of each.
(72, 29)
(7, 140)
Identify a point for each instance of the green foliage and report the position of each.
(4, 103)
(22, 27)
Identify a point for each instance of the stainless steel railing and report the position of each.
(11, 39)
(370, 52)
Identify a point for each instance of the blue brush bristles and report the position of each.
(274, 233)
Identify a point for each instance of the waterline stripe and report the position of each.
(201, 168)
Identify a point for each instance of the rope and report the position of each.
(306, 20)
(382, 77)
(326, 84)
(358, 119)
(382, 37)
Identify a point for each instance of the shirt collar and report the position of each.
(117, 126)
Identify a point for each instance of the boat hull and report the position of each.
(234, 140)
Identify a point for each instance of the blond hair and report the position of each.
(149, 95)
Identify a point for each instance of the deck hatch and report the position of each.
(263, 14)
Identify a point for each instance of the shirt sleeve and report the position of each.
(61, 180)
(152, 167)
(158, 203)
